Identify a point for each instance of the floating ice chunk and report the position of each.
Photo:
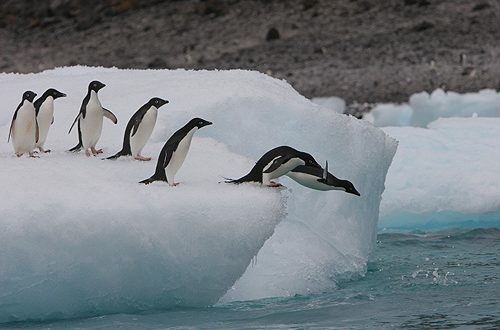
(446, 175)
(424, 108)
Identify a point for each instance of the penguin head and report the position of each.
(96, 86)
(54, 93)
(29, 95)
(349, 188)
(157, 102)
(198, 122)
(309, 160)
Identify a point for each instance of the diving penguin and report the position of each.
(90, 120)
(275, 163)
(44, 109)
(315, 178)
(24, 127)
(139, 129)
(174, 152)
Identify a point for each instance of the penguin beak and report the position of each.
(62, 95)
(207, 123)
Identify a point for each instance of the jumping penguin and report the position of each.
(24, 127)
(44, 109)
(315, 178)
(174, 152)
(275, 163)
(90, 120)
(139, 129)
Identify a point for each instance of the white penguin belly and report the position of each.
(44, 118)
(310, 181)
(24, 130)
(282, 170)
(91, 125)
(143, 133)
(179, 156)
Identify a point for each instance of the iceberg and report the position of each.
(445, 175)
(81, 237)
(424, 108)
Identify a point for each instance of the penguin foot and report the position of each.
(89, 152)
(175, 184)
(95, 151)
(274, 184)
(32, 155)
(144, 159)
(44, 150)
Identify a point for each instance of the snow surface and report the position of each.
(446, 175)
(81, 237)
(423, 108)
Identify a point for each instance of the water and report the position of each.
(415, 280)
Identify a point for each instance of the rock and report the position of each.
(272, 34)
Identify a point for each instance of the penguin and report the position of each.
(139, 129)
(275, 163)
(174, 152)
(315, 178)
(44, 110)
(24, 127)
(90, 120)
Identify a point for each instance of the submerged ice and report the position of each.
(82, 237)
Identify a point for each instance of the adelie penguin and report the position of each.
(320, 179)
(174, 152)
(275, 163)
(44, 109)
(24, 127)
(139, 129)
(90, 120)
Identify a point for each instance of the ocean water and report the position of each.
(415, 280)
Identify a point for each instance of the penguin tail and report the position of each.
(246, 178)
(76, 148)
(117, 155)
(148, 181)
(154, 178)
(235, 181)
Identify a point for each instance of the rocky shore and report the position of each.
(364, 51)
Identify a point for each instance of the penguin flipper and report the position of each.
(37, 131)
(10, 130)
(79, 146)
(135, 127)
(52, 122)
(74, 122)
(277, 163)
(108, 114)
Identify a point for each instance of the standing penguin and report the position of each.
(174, 152)
(24, 127)
(275, 163)
(44, 109)
(139, 129)
(315, 178)
(90, 120)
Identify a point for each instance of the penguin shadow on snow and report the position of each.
(174, 152)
